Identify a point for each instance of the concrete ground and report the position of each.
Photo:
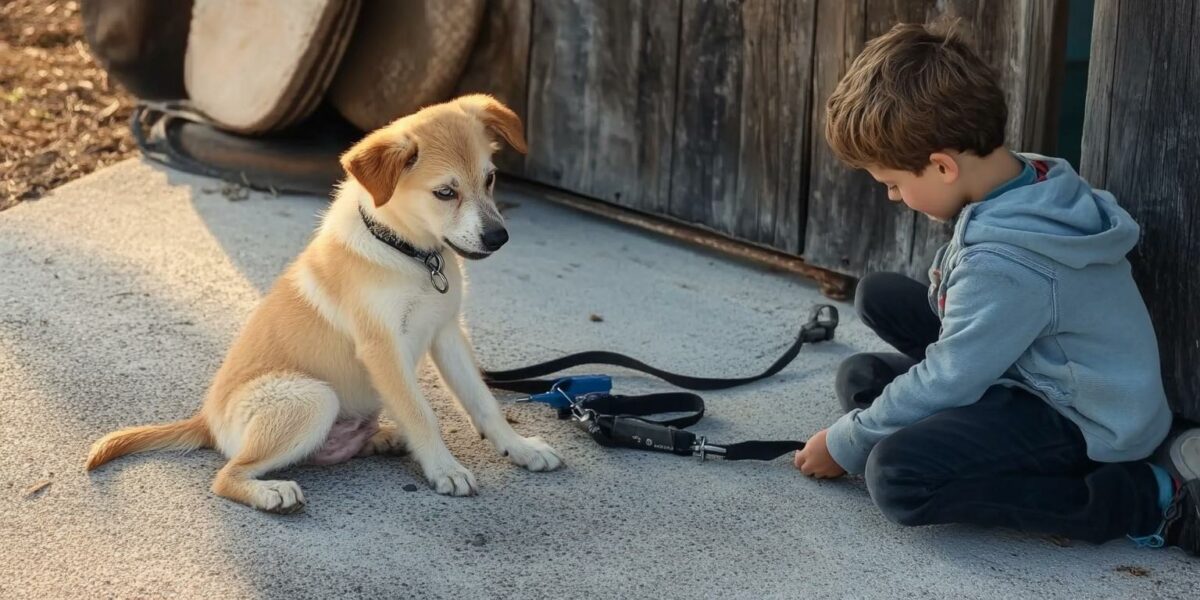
(120, 292)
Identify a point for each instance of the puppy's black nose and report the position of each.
(493, 239)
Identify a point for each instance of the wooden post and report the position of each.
(1141, 141)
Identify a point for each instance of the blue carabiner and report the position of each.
(564, 391)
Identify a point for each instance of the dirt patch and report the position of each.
(1132, 570)
(60, 116)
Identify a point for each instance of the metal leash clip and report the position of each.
(580, 414)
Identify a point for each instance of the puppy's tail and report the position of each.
(185, 435)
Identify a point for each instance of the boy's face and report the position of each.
(934, 192)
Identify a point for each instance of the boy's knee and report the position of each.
(872, 295)
(860, 379)
(894, 483)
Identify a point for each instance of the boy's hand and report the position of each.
(815, 461)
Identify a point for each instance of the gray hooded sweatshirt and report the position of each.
(1033, 291)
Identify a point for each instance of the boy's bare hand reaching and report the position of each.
(815, 461)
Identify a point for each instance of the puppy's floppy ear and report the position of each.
(498, 118)
(378, 160)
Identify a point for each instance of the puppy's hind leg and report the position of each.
(282, 419)
(388, 440)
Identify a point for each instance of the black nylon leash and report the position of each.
(822, 321)
(627, 421)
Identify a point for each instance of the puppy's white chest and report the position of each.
(421, 316)
(413, 315)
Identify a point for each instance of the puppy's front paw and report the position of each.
(281, 497)
(451, 479)
(532, 453)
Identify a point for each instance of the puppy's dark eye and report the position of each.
(490, 180)
(445, 193)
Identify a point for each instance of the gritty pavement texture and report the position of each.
(120, 292)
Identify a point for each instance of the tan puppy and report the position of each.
(341, 334)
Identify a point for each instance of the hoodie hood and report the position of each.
(1060, 217)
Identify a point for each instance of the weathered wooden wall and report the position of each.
(711, 112)
(602, 98)
(743, 110)
(851, 227)
(1141, 141)
(697, 110)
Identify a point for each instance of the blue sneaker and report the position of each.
(1180, 456)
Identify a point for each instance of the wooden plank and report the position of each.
(1046, 61)
(499, 65)
(1093, 163)
(1144, 144)
(777, 100)
(851, 227)
(602, 97)
(708, 115)
(741, 133)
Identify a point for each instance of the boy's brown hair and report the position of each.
(913, 91)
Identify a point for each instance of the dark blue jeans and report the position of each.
(1009, 460)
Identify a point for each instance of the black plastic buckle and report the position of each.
(822, 322)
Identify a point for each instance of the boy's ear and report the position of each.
(945, 165)
(498, 118)
(378, 160)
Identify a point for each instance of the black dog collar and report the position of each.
(431, 259)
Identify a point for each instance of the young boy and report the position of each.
(1027, 391)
